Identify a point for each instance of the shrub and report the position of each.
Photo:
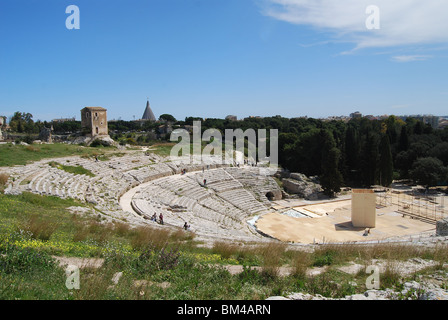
(143, 237)
(39, 228)
(3, 179)
(272, 259)
(32, 149)
(121, 228)
(99, 143)
(441, 255)
(224, 249)
(28, 139)
(95, 231)
(325, 259)
(154, 259)
(249, 274)
(81, 233)
(181, 235)
(300, 263)
(391, 275)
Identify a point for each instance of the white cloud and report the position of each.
(403, 22)
(410, 58)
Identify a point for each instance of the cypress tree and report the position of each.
(403, 142)
(386, 168)
(331, 178)
(369, 159)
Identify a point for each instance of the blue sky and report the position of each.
(212, 58)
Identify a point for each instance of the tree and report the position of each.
(167, 117)
(286, 142)
(331, 178)
(386, 166)
(403, 143)
(22, 122)
(440, 151)
(352, 155)
(418, 128)
(308, 153)
(189, 120)
(369, 159)
(428, 171)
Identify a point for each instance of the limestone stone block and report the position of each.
(442, 227)
(363, 208)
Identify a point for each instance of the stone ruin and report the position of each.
(442, 227)
(2, 122)
(45, 135)
(301, 185)
(220, 209)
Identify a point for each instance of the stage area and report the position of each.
(330, 221)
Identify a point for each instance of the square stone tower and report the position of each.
(94, 121)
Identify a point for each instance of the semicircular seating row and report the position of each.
(222, 203)
(230, 194)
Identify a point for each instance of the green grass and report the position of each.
(33, 228)
(72, 169)
(162, 149)
(11, 155)
(165, 148)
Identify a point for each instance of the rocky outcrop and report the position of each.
(412, 291)
(45, 135)
(104, 140)
(301, 185)
(442, 227)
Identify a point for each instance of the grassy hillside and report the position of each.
(11, 154)
(164, 263)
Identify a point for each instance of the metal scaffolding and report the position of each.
(428, 207)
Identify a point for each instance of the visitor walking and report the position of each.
(161, 218)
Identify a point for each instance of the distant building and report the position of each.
(94, 121)
(165, 129)
(433, 121)
(231, 118)
(336, 118)
(63, 120)
(355, 115)
(443, 123)
(189, 128)
(148, 115)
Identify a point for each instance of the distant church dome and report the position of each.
(148, 114)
